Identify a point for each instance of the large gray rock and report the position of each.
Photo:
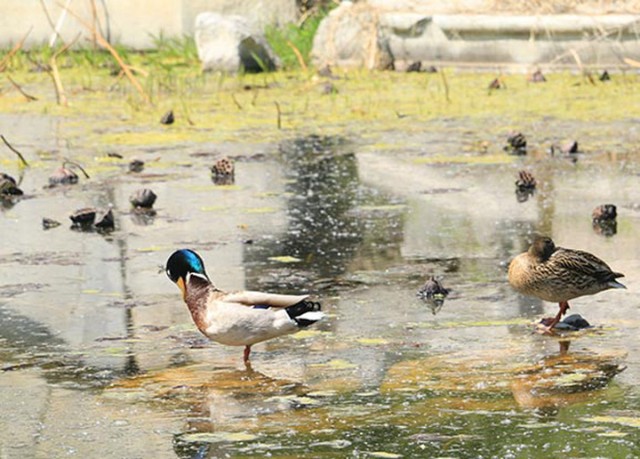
(375, 33)
(350, 36)
(232, 44)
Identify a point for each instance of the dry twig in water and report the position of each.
(279, 115)
(61, 97)
(298, 54)
(29, 97)
(105, 44)
(6, 142)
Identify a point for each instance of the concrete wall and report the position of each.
(133, 24)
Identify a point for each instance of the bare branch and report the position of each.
(15, 49)
(6, 142)
(29, 97)
(105, 44)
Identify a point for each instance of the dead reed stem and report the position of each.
(22, 160)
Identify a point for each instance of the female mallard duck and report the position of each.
(555, 274)
(237, 318)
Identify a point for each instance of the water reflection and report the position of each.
(332, 220)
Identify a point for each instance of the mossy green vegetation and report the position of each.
(227, 108)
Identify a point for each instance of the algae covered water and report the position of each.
(357, 203)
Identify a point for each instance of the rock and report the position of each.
(351, 36)
(8, 186)
(104, 220)
(143, 199)
(537, 77)
(83, 218)
(136, 165)
(168, 118)
(604, 212)
(89, 218)
(63, 176)
(231, 44)
(48, 223)
(433, 294)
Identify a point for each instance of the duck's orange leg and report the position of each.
(547, 325)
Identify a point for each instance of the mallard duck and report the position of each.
(558, 275)
(237, 318)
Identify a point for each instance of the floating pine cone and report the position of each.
(525, 185)
(168, 118)
(136, 165)
(516, 144)
(143, 199)
(223, 172)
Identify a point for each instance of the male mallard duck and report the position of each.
(555, 274)
(237, 318)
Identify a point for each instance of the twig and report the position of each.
(105, 44)
(446, 85)
(51, 24)
(279, 114)
(29, 97)
(584, 71)
(6, 142)
(59, 24)
(298, 54)
(235, 101)
(15, 49)
(61, 97)
(73, 163)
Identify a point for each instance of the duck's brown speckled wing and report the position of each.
(582, 264)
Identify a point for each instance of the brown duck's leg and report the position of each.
(247, 351)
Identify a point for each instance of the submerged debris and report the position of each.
(143, 199)
(433, 294)
(48, 223)
(497, 83)
(136, 165)
(414, 66)
(9, 187)
(90, 218)
(525, 185)
(570, 147)
(168, 118)
(223, 171)
(65, 176)
(537, 77)
(604, 220)
(516, 144)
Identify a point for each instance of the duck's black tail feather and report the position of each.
(305, 313)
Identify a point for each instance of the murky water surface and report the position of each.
(98, 351)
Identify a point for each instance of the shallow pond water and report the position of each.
(99, 353)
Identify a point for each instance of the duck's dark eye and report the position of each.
(171, 276)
